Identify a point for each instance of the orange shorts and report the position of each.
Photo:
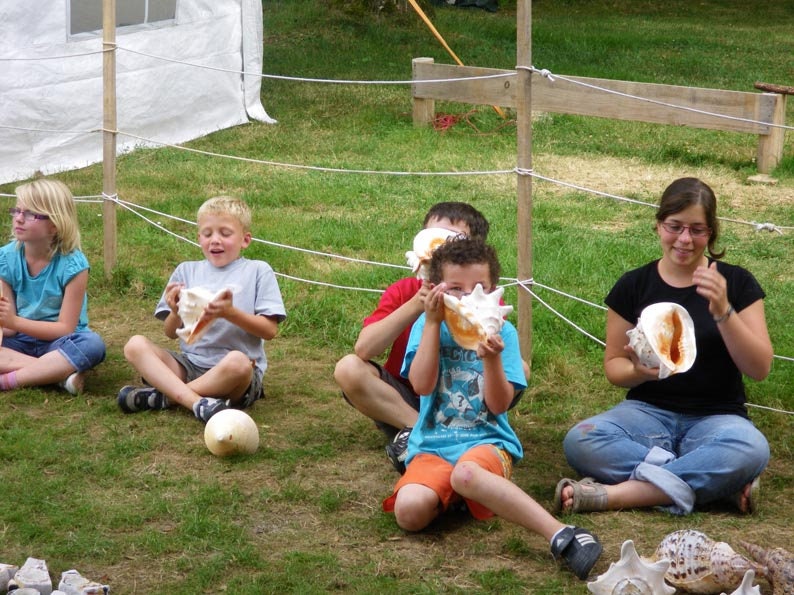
(434, 472)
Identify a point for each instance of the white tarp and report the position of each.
(51, 101)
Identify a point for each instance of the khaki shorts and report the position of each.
(253, 393)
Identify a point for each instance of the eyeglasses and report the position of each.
(27, 215)
(678, 229)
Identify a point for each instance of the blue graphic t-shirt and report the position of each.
(454, 418)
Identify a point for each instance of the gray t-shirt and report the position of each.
(255, 290)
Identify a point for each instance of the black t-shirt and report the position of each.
(713, 384)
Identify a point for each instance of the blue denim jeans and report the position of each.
(691, 458)
(83, 350)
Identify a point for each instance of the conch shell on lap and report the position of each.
(474, 317)
(665, 338)
(425, 242)
(191, 310)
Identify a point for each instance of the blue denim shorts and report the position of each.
(83, 350)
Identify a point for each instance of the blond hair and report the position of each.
(227, 205)
(54, 199)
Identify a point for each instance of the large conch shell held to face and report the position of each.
(664, 338)
(230, 432)
(191, 310)
(475, 316)
(425, 242)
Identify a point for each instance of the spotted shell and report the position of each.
(425, 242)
(631, 575)
(779, 565)
(475, 316)
(191, 310)
(747, 588)
(231, 432)
(699, 564)
(665, 338)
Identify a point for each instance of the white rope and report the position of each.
(318, 168)
(548, 75)
(316, 80)
(39, 58)
(25, 129)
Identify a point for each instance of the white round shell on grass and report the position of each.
(631, 575)
(664, 338)
(425, 242)
(475, 316)
(230, 432)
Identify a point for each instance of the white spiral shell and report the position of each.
(475, 316)
(425, 242)
(231, 432)
(191, 309)
(631, 575)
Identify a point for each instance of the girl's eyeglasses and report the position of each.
(27, 215)
(678, 229)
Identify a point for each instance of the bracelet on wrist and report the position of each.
(725, 316)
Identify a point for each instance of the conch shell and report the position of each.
(231, 432)
(191, 310)
(747, 588)
(665, 338)
(699, 564)
(425, 242)
(631, 575)
(475, 316)
(779, 565)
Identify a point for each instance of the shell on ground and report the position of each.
(779, 565)
(698, 564)
(230, 432)
(631, 575)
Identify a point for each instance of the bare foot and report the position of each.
(742, 499)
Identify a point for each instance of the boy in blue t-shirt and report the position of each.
(462, 445)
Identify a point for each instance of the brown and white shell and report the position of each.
(631, 575)
(665, 338)
(425, 242)
(698, 564)
(191, 310)
(747, 588)
(779, 565)
(475, 316)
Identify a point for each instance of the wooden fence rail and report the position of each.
(561, 96)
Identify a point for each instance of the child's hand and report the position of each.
(5, 310)
(434, 303)
(172, 295)
(491, 347)
(221, 305)
(643, 370)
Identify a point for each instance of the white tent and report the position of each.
(51, 98)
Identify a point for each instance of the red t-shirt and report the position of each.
(396, 295)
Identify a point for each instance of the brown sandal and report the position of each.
(588, 495)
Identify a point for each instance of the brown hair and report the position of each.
(686, 192)
(464, 251)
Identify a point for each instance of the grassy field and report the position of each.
(139, 503)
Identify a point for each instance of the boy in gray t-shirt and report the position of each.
(223, 367)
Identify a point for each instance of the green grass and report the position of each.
(138, 502)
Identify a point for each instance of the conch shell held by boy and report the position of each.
(473, 317)
(425, 242)
(191, 310)
(665, 338)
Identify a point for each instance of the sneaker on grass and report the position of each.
(133, 399)
(579, 549)
(206, 407)
(397, 449)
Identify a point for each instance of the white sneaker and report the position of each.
(73, 384)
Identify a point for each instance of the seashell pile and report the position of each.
(631, 575)
(665, 338)
(425, 242)
(474, 317)
(698, 564)
(230, 432)
(779, 566)
(191, 310)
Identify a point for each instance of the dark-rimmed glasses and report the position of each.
(678, 229)
(27, 215)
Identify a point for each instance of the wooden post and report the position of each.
(770, 146)
(109, 134)
(424, 110)
(523, 97)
